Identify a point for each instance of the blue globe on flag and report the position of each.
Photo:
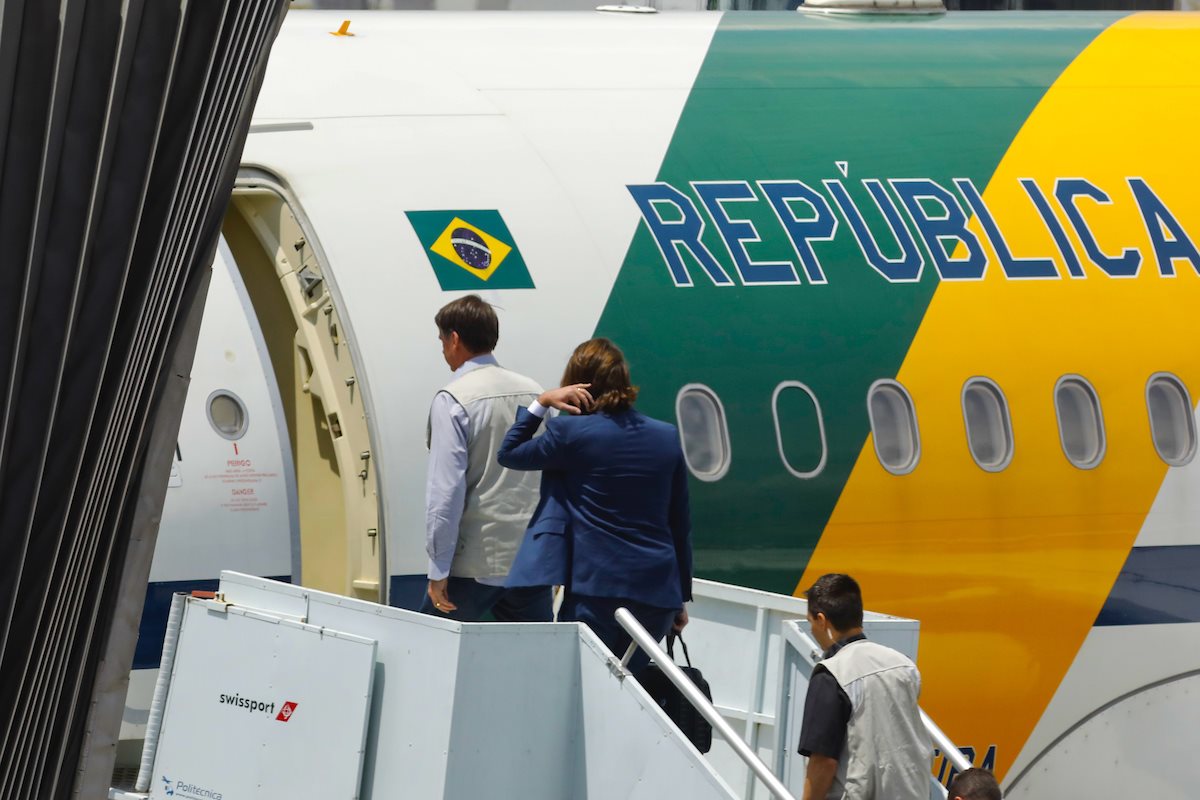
(471, 248)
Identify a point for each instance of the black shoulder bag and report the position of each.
(656, 683)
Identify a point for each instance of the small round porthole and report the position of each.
(989, 427)
(227, 414)
(1172, 426)
(703, 431)
(1080, 421)
(893, 426)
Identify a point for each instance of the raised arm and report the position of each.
(520, 450)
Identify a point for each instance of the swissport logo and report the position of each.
(264, 707)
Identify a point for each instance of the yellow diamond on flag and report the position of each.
(471, 248)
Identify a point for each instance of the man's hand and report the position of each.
(437, 593)
(681, 621)
(818, 777)
(574, 399)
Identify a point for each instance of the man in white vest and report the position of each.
(475, 510)
(862, 729)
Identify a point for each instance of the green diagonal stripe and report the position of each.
(785, 96)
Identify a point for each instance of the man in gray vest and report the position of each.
(475, 510)
(862, 729)
(974, 784)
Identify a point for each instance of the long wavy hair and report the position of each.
(602, 364)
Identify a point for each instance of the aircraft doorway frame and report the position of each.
(325, 394)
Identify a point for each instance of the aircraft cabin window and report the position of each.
(894, 427)
(227, 414)
(989, 426)
(1172, 426)
(1080, 421)
(703, 431)
(799, 429)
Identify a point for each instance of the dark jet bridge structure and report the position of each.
(121, 124)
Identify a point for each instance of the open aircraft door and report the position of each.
(322, 389)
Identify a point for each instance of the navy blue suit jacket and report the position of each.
(613, 517)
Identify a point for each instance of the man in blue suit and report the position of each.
(612, 524)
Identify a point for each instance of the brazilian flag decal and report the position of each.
(471, 250)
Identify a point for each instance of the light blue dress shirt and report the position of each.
(446, 484)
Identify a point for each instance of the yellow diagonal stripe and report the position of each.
(1008, 571)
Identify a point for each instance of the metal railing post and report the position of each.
(702, 704)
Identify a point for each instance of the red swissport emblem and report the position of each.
(285, 713)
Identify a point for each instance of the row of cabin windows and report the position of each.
(706, 447)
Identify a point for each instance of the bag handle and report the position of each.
(671, 637)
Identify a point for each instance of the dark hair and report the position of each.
(975, 784)
(602, 364)
(839, 599)
(473, 319)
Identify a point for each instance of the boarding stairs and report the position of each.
(270, 690)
